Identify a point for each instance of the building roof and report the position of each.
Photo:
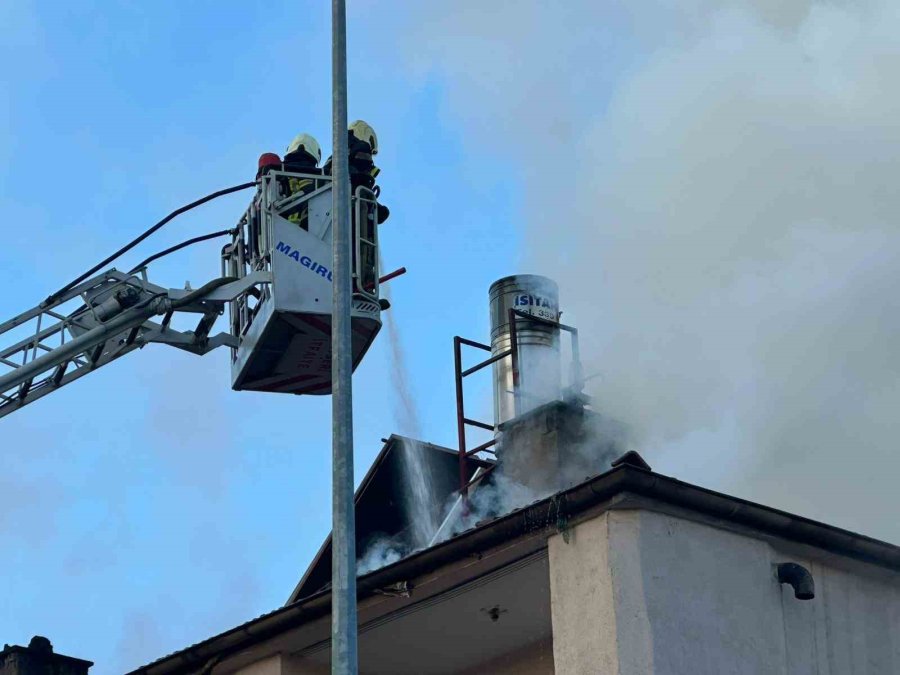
(630, 484)
(378, 500)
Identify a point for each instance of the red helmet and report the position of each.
(267, 160)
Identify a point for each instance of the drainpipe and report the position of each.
(800, 579)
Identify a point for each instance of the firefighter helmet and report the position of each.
(363, 132)
(307, 144)
(268, 159)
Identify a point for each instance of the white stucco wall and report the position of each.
(582, 602)
(852, 626)
(638, 592)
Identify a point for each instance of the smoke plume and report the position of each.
(380, 553)
(713, 186)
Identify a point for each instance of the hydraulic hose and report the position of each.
(147, 233)
(178, 247)
(203, 290)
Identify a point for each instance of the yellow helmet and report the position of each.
(364, 132)
(306, 143)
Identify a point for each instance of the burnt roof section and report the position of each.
(609, 490)
(380, 513)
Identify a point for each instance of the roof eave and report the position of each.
(575, 501)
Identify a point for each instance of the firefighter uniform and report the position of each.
(362, 146)
(302, 156)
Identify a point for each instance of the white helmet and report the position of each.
(364, 132)
(306, 143)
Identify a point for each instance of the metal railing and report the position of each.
(251, 248)
(365, 259)
(515, 315)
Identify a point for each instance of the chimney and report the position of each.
(547, 439)
(558, 445)
(537, 352)
(38, 658)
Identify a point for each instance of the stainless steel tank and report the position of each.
(538, 344)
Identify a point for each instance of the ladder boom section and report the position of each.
(276, 282)
(98, 322)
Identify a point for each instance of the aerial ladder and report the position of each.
(275, 284)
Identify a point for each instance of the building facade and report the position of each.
(627, 573)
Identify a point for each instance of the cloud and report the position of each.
(716, 196)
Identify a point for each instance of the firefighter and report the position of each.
(302, 156)
(362, 146)
(268, 161)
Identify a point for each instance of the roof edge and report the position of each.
(357, 495)
(575, 500)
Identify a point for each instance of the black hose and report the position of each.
(135, 242)
(178, 247)
(203, 290)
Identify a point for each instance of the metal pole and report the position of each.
(460, 419)
(343, 528)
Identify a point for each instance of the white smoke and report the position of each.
(713, 184)
(380, 553)
(487, 500)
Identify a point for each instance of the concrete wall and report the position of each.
(535, 659)
(273, 665)
(853, 625)
(282, 664)
(581, 601)
(637, 592)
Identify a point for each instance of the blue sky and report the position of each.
(148, 506)
(710, 182)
